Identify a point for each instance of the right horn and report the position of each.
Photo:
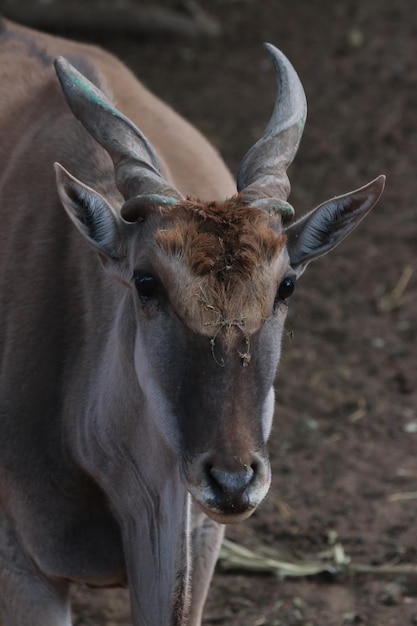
(262, 179)
(136, 166)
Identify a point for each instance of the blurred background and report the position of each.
(344, 442)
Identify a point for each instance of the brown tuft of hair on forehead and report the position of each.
(224, 239)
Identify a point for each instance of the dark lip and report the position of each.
(228, 513)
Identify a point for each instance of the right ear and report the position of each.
(90, 212)
(325, 227)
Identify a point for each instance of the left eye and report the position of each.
(286, 288)
(146, 285)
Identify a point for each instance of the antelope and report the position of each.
(140, 338)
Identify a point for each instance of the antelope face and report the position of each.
(210, 298)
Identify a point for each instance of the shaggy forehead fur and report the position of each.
(226, 263)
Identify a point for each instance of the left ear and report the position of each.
(90, 212)
(325, 227)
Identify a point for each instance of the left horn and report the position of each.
(137, 169)
(262, 178)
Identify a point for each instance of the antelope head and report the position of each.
(207, 285)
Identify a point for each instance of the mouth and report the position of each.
(225, 508)
(230, 515)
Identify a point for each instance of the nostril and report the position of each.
(232, 483)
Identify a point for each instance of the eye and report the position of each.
(146, 285)
(286, 288)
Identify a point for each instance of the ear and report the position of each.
(326, 226)
(90, 212)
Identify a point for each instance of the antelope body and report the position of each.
(139, 339)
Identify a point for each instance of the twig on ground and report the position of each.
(360, 412)
(395, 298)
(403, 495)
(333, 561)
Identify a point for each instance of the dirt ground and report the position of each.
(344, 441)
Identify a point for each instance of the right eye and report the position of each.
(286, 288)
(146, 285)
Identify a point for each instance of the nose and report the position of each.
(231, 484)
(228, 486)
